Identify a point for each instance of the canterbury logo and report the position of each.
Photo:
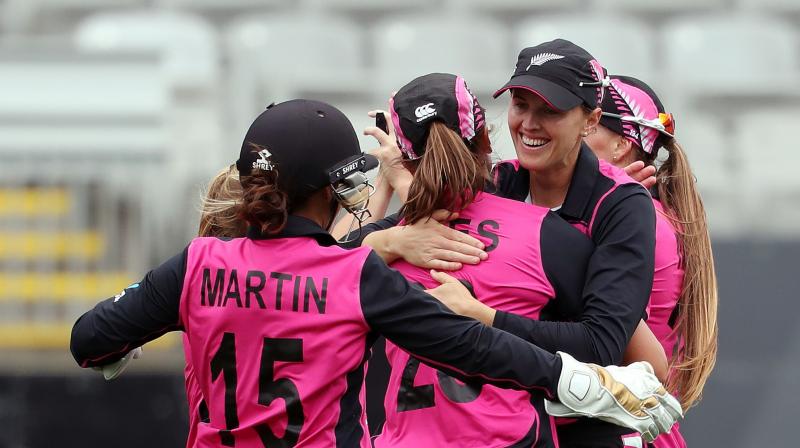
(424, 111)
(542, 58)
(263, 163)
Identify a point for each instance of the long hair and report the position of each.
(449, 175)
(697, 305)
(265, 205)
(219, 207)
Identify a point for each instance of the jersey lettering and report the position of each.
(305, 290)
(273, 349)
(481, 230)
(410, 397)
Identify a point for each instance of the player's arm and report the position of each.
(356, 239)
(598, 330)
(460, 346)
(142, 312)
(644, 346)
(618, 279)
(428, 243)
(468, 350)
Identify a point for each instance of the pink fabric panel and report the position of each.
(333, 342)
(512, 279)
(402, 141)
(672, 440)
(640, 105)
(466, 107)
(667, 281)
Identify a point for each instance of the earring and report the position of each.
(585, 133)
(614, 158)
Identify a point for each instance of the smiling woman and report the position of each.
(547, 139)
(555, 93)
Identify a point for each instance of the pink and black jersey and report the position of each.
(424, 406)
(661, 311)
(618, 215)
(279, 330)
(667, 282)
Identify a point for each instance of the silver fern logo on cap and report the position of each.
(543, 58)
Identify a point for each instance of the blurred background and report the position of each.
(115, 113)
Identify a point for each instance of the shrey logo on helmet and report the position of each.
(424, 111)
(263, 162)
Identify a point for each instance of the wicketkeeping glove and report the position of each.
(115, 369)
(628, 396)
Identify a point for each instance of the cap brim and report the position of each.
(372, 162)
(554, 95)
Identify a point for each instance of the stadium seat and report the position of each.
(736, 55)
(517, 6)
(714, 160)
(275, 58)
(621, 45)
(770, 184)
(716, 166)
(659, 7)
(770, 6)
(61, 102)
(84, 5)
(227, 5)
(34, 202)
(294, 52)
(186, 44)
(373, 5)
(411, 46)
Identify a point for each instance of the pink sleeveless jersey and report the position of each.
(667, 285)
(424, 407)
(667, 281)
(276, 343)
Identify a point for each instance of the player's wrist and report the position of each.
(482, 312)
(384, 243)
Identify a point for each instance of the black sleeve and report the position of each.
(459, 346)
(619, 277)
(565, 257)
(358, 238)
(142, 312)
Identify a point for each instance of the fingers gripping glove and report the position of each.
(628, 396)
(115, 369)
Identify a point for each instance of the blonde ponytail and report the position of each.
(448, 176)
(697, 306)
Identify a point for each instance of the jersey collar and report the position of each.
(296, 226)
(581, 187)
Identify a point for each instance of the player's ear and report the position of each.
(623, 148)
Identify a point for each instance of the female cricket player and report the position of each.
(279, 323)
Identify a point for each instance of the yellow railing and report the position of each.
(34, 202)
(61, 287)
(29, 245)
(56, 336)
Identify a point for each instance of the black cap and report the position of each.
(310, 143)
(434, 97)
(561, 73)
(632, 109)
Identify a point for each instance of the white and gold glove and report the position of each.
(115, 369)
(629, 396)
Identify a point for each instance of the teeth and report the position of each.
(533, 141)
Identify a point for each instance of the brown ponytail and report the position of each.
(697, 305)
(264, 204)
(220, 206)
(448, 176)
